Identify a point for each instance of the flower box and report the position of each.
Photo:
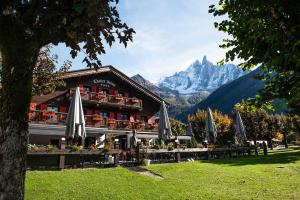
(111, 121)
(135, 100)
(97, 118)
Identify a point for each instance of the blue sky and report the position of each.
(170, 35)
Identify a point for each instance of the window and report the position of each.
(104, 114)
(87, 88)
(125, 117)
(52, 108)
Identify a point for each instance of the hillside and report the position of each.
(224, 98)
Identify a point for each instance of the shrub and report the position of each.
(74, 148)
(170, 147)
(193, 143)
(49, 147)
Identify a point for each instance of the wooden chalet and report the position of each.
(112, 102)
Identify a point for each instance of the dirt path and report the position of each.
(146, 172)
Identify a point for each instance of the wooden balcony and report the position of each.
(97, 121)
(109, 100)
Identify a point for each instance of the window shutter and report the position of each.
(43, 107)
(126, 94)
(62, 109)
(138, 118)
(94, 89)
(119, 116)
(89, 111)
(111, 115)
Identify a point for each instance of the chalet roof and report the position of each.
(44, 98)
(86, 72)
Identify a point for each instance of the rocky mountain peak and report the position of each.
(203, 76)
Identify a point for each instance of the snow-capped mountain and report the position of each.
(203, 76)
(171, 96)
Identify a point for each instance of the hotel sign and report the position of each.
(104, 83)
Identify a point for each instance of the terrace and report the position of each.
(92, 120)
(113, 100)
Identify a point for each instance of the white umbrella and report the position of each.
(240, 128)
(165, 132)
(210, 127)
(75, 118)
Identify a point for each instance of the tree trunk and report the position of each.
(19, 56)
(270, 143)
(285, 140)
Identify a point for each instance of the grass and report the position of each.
(254, 177)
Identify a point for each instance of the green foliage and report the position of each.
(45, 76)
(158, 146)
(265, 34)
(87, 22)
(244, 177)
(74, 148)
(170, 147)
(49, 147)
(261, 125)
(32, 147)
(177, 127)
(193, 143)
(223, 124)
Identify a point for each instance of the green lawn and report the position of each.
(255, 177)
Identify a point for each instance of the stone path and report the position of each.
(146, 172)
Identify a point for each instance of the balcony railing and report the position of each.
(112, 100)
(50, 117)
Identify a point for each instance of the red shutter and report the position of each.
(43, 107)
(116, 92)
(94, 89)
(138, 118)
(111, 92)
(62, 109)
(89, 111)
(111, 115)
(119, 116)
(126, 94)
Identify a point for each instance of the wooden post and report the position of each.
(116, 159)
(62, 156)
(177, 153)
(138, 153)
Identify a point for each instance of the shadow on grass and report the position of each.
(274, 157)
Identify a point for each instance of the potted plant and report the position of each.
(170, 147)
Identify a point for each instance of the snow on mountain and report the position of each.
(203, 76)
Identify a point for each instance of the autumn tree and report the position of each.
(223, 124)
(177, 127)
(26, 26)
(46, 77)
(265, 33)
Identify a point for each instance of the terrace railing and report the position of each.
(51, 117)
(111, 100)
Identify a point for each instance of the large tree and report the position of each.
(25, 27)
(265, 33)
(46, 76)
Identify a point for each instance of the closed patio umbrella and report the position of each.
(240, 128)
(189, 130)
(210, 127)
(75, 119)
(165, 132)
